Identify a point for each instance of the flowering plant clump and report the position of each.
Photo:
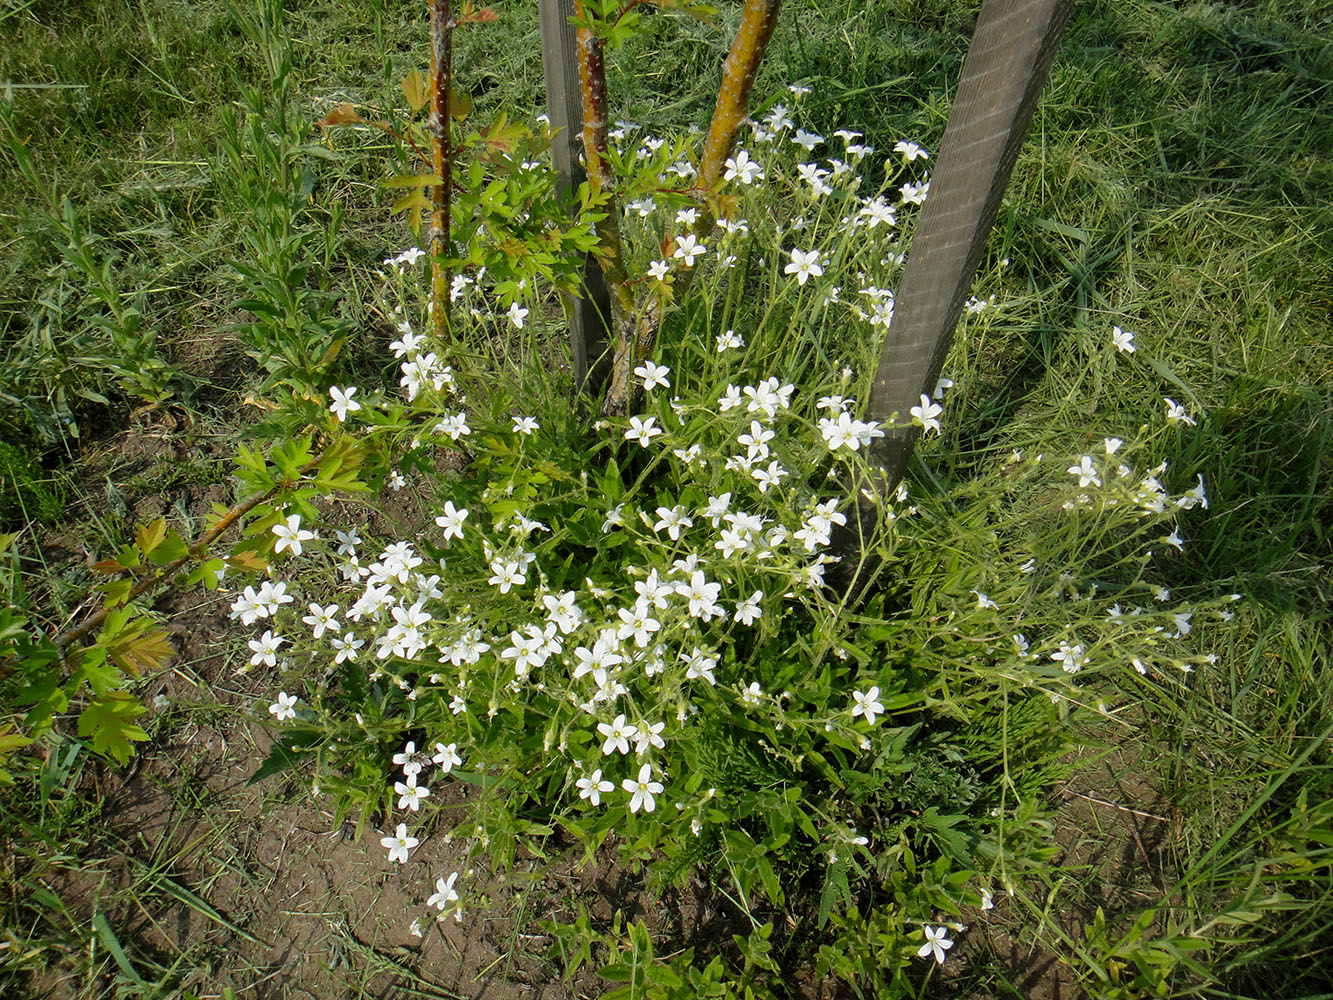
(632, 636)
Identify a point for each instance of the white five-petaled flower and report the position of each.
(265, 649)
(914, 194)
(806, 140)
(937, 943)
(1175, 413)
(506, 575)
(410, 793)
(642, 430)
(399, 844)
(452, 520)
(653, 375)
(447, 757)
(749, 611)
(409, 760)
(321, 619)
(771, 476)
(1086, 472)
(517, 314)
(1123, 340)
(648, 734)
(728, 341)
(525, 425)
(642, 790)
(285, 707)
(291, 535)
(742, 168)
(1071, 657)
(617, 735)
(927, 414)
(910, 150)
(804, 264)
(444, 892)
(343, 403)
(659, 269)
(867, 703)
(673, 519)
(688, 247)
(593, 786)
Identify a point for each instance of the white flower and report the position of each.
(867, 703)
(983, 602)
(688, 247)
(1123, 340)
(927, 414)
(751, 695)
(642, 790)
(343, 403)
(936, 943)
(285, 707)
(748, 611)
(699, 665)
(659, 269)
(1086, 472)
(1070, 657)
(879, 212)
(1175, 413)
(409, 760)
(701, 595)
(265, 649)
(444, 892)
(728, 341)
(525, 425)
(804, 264)
(653, 375)
(592, 787)
(642, 430)
(771, 476)
(506, 575)
(914, 194)
(452, 520)
(806, 140)
(910, 150)
(648, 734)
(742, 168)
(291, 535)
(321, 619)
(617, 735)
(454, 425)
(447, 756)
(410, 794)
(346, 646)
(399, 844)
(673, 519)
(517, 314)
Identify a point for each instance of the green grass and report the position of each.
(1178, 181)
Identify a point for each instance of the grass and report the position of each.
(1178, 181)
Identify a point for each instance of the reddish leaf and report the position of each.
(343, 114)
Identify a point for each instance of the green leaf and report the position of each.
(109, 721)
(286, 753)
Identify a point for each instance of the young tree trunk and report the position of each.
(758, 20)
(739, 69)
(442, 26)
